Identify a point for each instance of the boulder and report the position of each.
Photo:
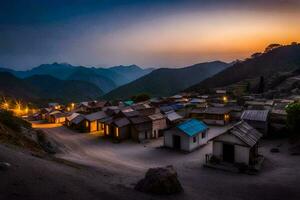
(161, 180)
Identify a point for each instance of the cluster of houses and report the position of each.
(186, 121)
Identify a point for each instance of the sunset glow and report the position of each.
(156, 34)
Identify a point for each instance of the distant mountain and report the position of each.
(44, 88)
(132, 72)
(106, 79)
(165, 81)
(272, 61)
(92, 75)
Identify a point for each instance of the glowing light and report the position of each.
(117, 132)
(225, 99)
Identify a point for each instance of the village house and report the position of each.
(173, 117)
(199, 103)
(44, 112)
(158, 123)
(55, 106)
(278, 115)
(91, 106)
(93, 123)
(77, 123)
(70, 117)
(145, 109)
(120, 128)
(187, 136)
(239, 144)
(57, 117)
(257, 119)
(212, 115)
(141, 128)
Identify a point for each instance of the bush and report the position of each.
(140, 97)
(293, 118)
(15, 123)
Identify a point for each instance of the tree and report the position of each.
(140, 97)
(293, 117)
(255, 55)
(272, 47)
(248, 87)
(261, 85)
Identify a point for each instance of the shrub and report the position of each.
(293, 118)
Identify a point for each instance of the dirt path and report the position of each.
(110, 171)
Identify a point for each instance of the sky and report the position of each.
(149, 33)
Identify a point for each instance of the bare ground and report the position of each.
(99, 169)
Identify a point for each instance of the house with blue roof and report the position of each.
(186, 136)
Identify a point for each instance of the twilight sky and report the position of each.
(149, 33)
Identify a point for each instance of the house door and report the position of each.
(176, 142)
(93, 126)
(228, 153)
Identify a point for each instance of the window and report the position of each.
(117, 132)
(203, 134)
(194, 139)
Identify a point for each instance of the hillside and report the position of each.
(106, 79)
(91, 75)
(163, 82)
(43, 88)
(281, 59)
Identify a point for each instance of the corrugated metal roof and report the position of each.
(139, 120)
(121, 122)
(156, 116)
(72, 116)
(172, 116)
(214, 110)
(192, 127)
(77, 119)
(246, 133)
(255, 115)
(96, 116)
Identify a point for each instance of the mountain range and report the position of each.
(266, 64)
(64, 82)
(41, 89)
(167, 81)
(106, 79)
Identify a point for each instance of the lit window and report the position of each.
(107, 130)
(117, 132)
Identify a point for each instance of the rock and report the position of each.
(4, 166)
(161, 180)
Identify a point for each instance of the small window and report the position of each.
(194, 139)
(203, 134)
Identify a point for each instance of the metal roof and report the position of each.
(72, 116)
(192, 127)
(77, 119)
(96, 116)
(255, 115)
(121, 122)
(213, 110)
(139, 120)
(172, 116)
(156, 116)
(246, 133)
